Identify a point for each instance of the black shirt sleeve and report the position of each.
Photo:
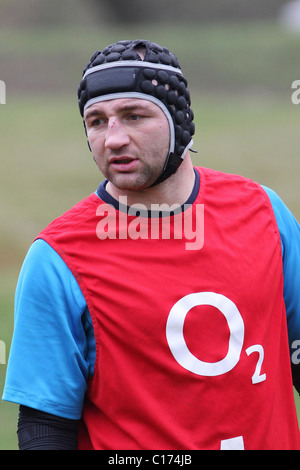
(43, 431)
(296, 376)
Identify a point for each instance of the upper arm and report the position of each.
(48, 362)
(289, 230)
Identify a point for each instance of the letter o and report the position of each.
(178, 346)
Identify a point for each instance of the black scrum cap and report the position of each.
(143, 69)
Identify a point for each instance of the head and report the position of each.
(143, 70)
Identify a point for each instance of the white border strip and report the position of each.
(131, 63)
(141, 96)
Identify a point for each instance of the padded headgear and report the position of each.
(120, 72)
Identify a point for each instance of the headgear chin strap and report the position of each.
(119, 72)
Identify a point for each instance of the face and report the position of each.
(130, 141)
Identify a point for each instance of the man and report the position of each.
(128, 336)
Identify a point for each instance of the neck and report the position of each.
(174, 190)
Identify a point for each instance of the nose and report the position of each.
(116, 135)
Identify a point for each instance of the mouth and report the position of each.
(122, 160)
(123, 163)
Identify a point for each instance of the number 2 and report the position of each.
(256, 377)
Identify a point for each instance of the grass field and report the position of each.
(245, 121)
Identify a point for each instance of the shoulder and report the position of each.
(249, 191)
(287, 224)
(281, 210)
(80, 213)
(52, 276)
(216, 178)
(232, 191)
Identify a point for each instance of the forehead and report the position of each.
(121, 104)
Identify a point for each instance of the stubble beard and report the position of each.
(141, 178)
(133, 181)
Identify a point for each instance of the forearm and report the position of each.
(43, 431)
(296, 376)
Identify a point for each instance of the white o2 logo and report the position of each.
(178, 346)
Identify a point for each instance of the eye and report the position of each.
(134, 117)
(98, 122)
(95, 122)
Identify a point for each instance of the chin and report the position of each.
(132, 183)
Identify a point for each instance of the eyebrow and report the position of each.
(92, 113)
(124, 108)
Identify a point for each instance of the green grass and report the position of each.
(248, 127)
(8, 412)
(232, 57)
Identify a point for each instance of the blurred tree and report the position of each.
(129, 11)
(134, 11)
(44, 13)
